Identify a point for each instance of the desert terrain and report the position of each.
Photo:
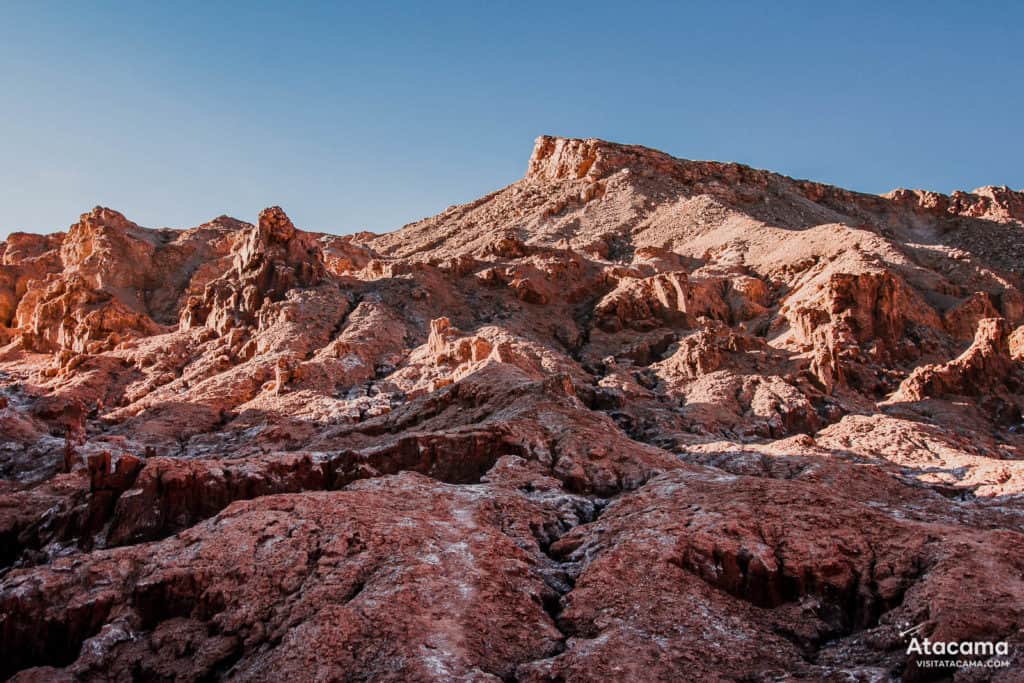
(630, 418)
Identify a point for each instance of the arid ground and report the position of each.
(630, 418)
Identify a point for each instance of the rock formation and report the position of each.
(631, 417)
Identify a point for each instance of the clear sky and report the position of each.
(370, 115)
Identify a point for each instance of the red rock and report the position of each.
(986, 368)
(308, 583)
(631, 417)
(821, 585)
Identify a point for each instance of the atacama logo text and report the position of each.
(944, 654)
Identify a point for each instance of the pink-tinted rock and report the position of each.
(631, 417)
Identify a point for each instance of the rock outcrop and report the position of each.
(631, 417)
(269, 260)
(986, 370)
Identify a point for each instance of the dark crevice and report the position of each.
(560, 580)
(222, 669)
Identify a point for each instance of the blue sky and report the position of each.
(371, 115)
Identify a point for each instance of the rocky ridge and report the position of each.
(630, 417)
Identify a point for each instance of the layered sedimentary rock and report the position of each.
(631, 417)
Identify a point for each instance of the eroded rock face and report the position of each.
(993, 203)
(985, 370)
(309, 583)
(631, 417)
(819, 584)
(269, 260)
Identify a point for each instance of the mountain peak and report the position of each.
(557, 158)
(104, 216)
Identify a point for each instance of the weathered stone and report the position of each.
(631, 417)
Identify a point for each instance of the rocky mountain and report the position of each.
(631, 417)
